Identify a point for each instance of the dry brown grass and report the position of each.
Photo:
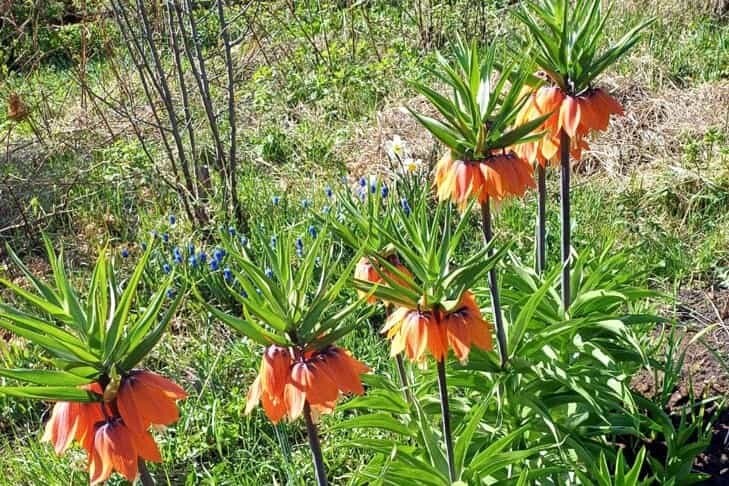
(648, 138)
(656, 125)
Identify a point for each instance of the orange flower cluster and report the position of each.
(287, 380)
(578, 115)
(115, 433)
(497, 176)
(416, 332)
(368, 272)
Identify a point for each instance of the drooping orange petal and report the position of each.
(313, 382)
(146, 447)
(132, 414)
(101, 465)
(608, 102)
(168, 387)
(274, 408)
(458, 337)
(416, 335)
(588, 117)
(61, 427)
(437, 340)
(569, 115)
(294, 399)
(254, 395)
(343, 370)
(123, 450)
(549, 98)
(153, 406)
(90, 415)
(550, 147)
(275, 369)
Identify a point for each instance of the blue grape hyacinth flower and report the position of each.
(405, 206)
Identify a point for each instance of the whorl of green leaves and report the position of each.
(426, 241)
(87, 339)
(568, 40)
(359, 222)
(300, 303)
(479, 112)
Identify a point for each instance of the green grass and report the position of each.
(302, 109)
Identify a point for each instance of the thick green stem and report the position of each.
(565, 216)
(315, 446)
(446, 419)
(493, 285)
(144, 477)
(403, 378)
(541, 246)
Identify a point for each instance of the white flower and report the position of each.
(396, 148)
(412, 166)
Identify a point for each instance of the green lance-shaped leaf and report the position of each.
(50, 393)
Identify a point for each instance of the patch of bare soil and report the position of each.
(702, 373)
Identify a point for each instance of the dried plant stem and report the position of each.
(493, 286)
(144, 477)
(315, 446)
(564, 154)
(446, 418)
(541, 250)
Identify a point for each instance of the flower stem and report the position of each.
(144, 477)
(564, 147)
(315, 446)
(541, 257)
(493, 287)
(403, 378)
(446, 418)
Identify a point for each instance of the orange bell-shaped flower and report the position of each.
(579, 116)
(284, 384)
(498, 176)
(417, 333)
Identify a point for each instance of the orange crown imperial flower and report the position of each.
(286, 382)
(369, 272)
(114, 433)
(498, 176)
(579, 116)
(417, 332)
